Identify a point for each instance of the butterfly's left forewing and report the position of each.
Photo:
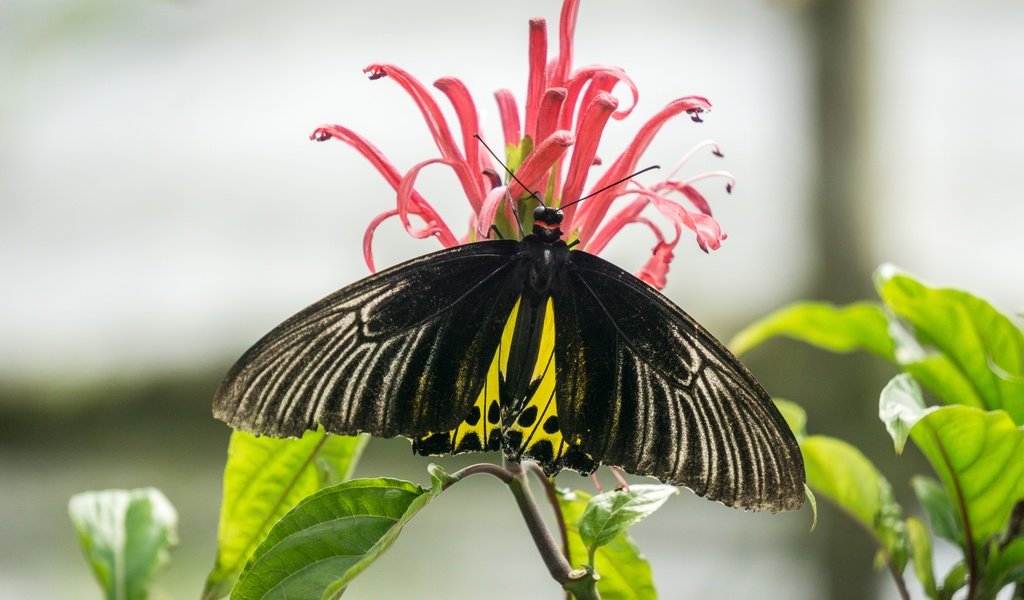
(402, 352)
(646, 388)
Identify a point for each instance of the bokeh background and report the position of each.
(161, 207)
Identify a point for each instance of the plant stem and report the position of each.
(581, 583)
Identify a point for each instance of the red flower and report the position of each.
(551, 150)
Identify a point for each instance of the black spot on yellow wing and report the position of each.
(531, 426)
(475, 433)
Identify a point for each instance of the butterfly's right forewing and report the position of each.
(403, 352)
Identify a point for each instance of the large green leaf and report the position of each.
(611, 513)
(624, 572)
(263, 479)
(126, 535)
(981, 342)
(859, 326)
(323, 543)
(841, 473)
(977, 455)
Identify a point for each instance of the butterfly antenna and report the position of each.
(611, 185)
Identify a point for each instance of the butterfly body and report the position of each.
(531, 348)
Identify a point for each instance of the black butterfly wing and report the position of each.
(402, 352)
(645, 387)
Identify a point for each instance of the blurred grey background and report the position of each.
(161, 207)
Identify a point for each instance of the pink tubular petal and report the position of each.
(695, 197)
(368, 236)
(509, 112)
(601, 78)
(592, 212)
(537, 164)
(612, 226)
(588, 136)
(489, 210)
(550, 107)
(537, 81)
(566, 32)
(407, 204)
(655, 271)
(437, 125)
(469, 123)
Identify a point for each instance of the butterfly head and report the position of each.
(546, 221)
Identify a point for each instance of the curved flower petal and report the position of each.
(410, 202)
(469, 123)
(566, 33)
(588, 136)
(612, 226)
(592, 212)
(489, 210)
(509, 112)
(537, 164)
(537, 80)
(437, 125)
(655, 271)
(368, 236)
(550, 108)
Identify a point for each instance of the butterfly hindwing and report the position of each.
(402, 352)
(645, 387)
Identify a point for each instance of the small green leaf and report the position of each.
(844, 475)
(900, 407)
(977, 455)
(323, 543)
(859, 326)
(624, 572)
(921, 548)
(981, 342)
(609, 514)
(954, 581)
(794, 415)
(263, 479)
(1005, 566)
(939, 508)
(126, 535)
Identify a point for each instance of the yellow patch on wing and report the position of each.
(533, 432)
(481, 430)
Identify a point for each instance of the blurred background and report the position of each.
(161, 208)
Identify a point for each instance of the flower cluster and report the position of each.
(551, 148)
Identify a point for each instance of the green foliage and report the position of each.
(263, 479)
(624, 572)
(860, 326)
(316, 549)
(971, 358)
(125, 535)
(609, 514)
(841, 473)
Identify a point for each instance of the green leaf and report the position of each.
(1005, 566)
(624, 572)
(981, 342)
(921, 548)
(859, 326)
(844, 475)
(900, 407)
(939, 508)
(126, 535)
(794, 415)
(954, 581)
(323, 543)
(263, 479)
(611, 513)
(977, 455)
(942, 378)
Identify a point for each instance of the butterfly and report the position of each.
(530, 347)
